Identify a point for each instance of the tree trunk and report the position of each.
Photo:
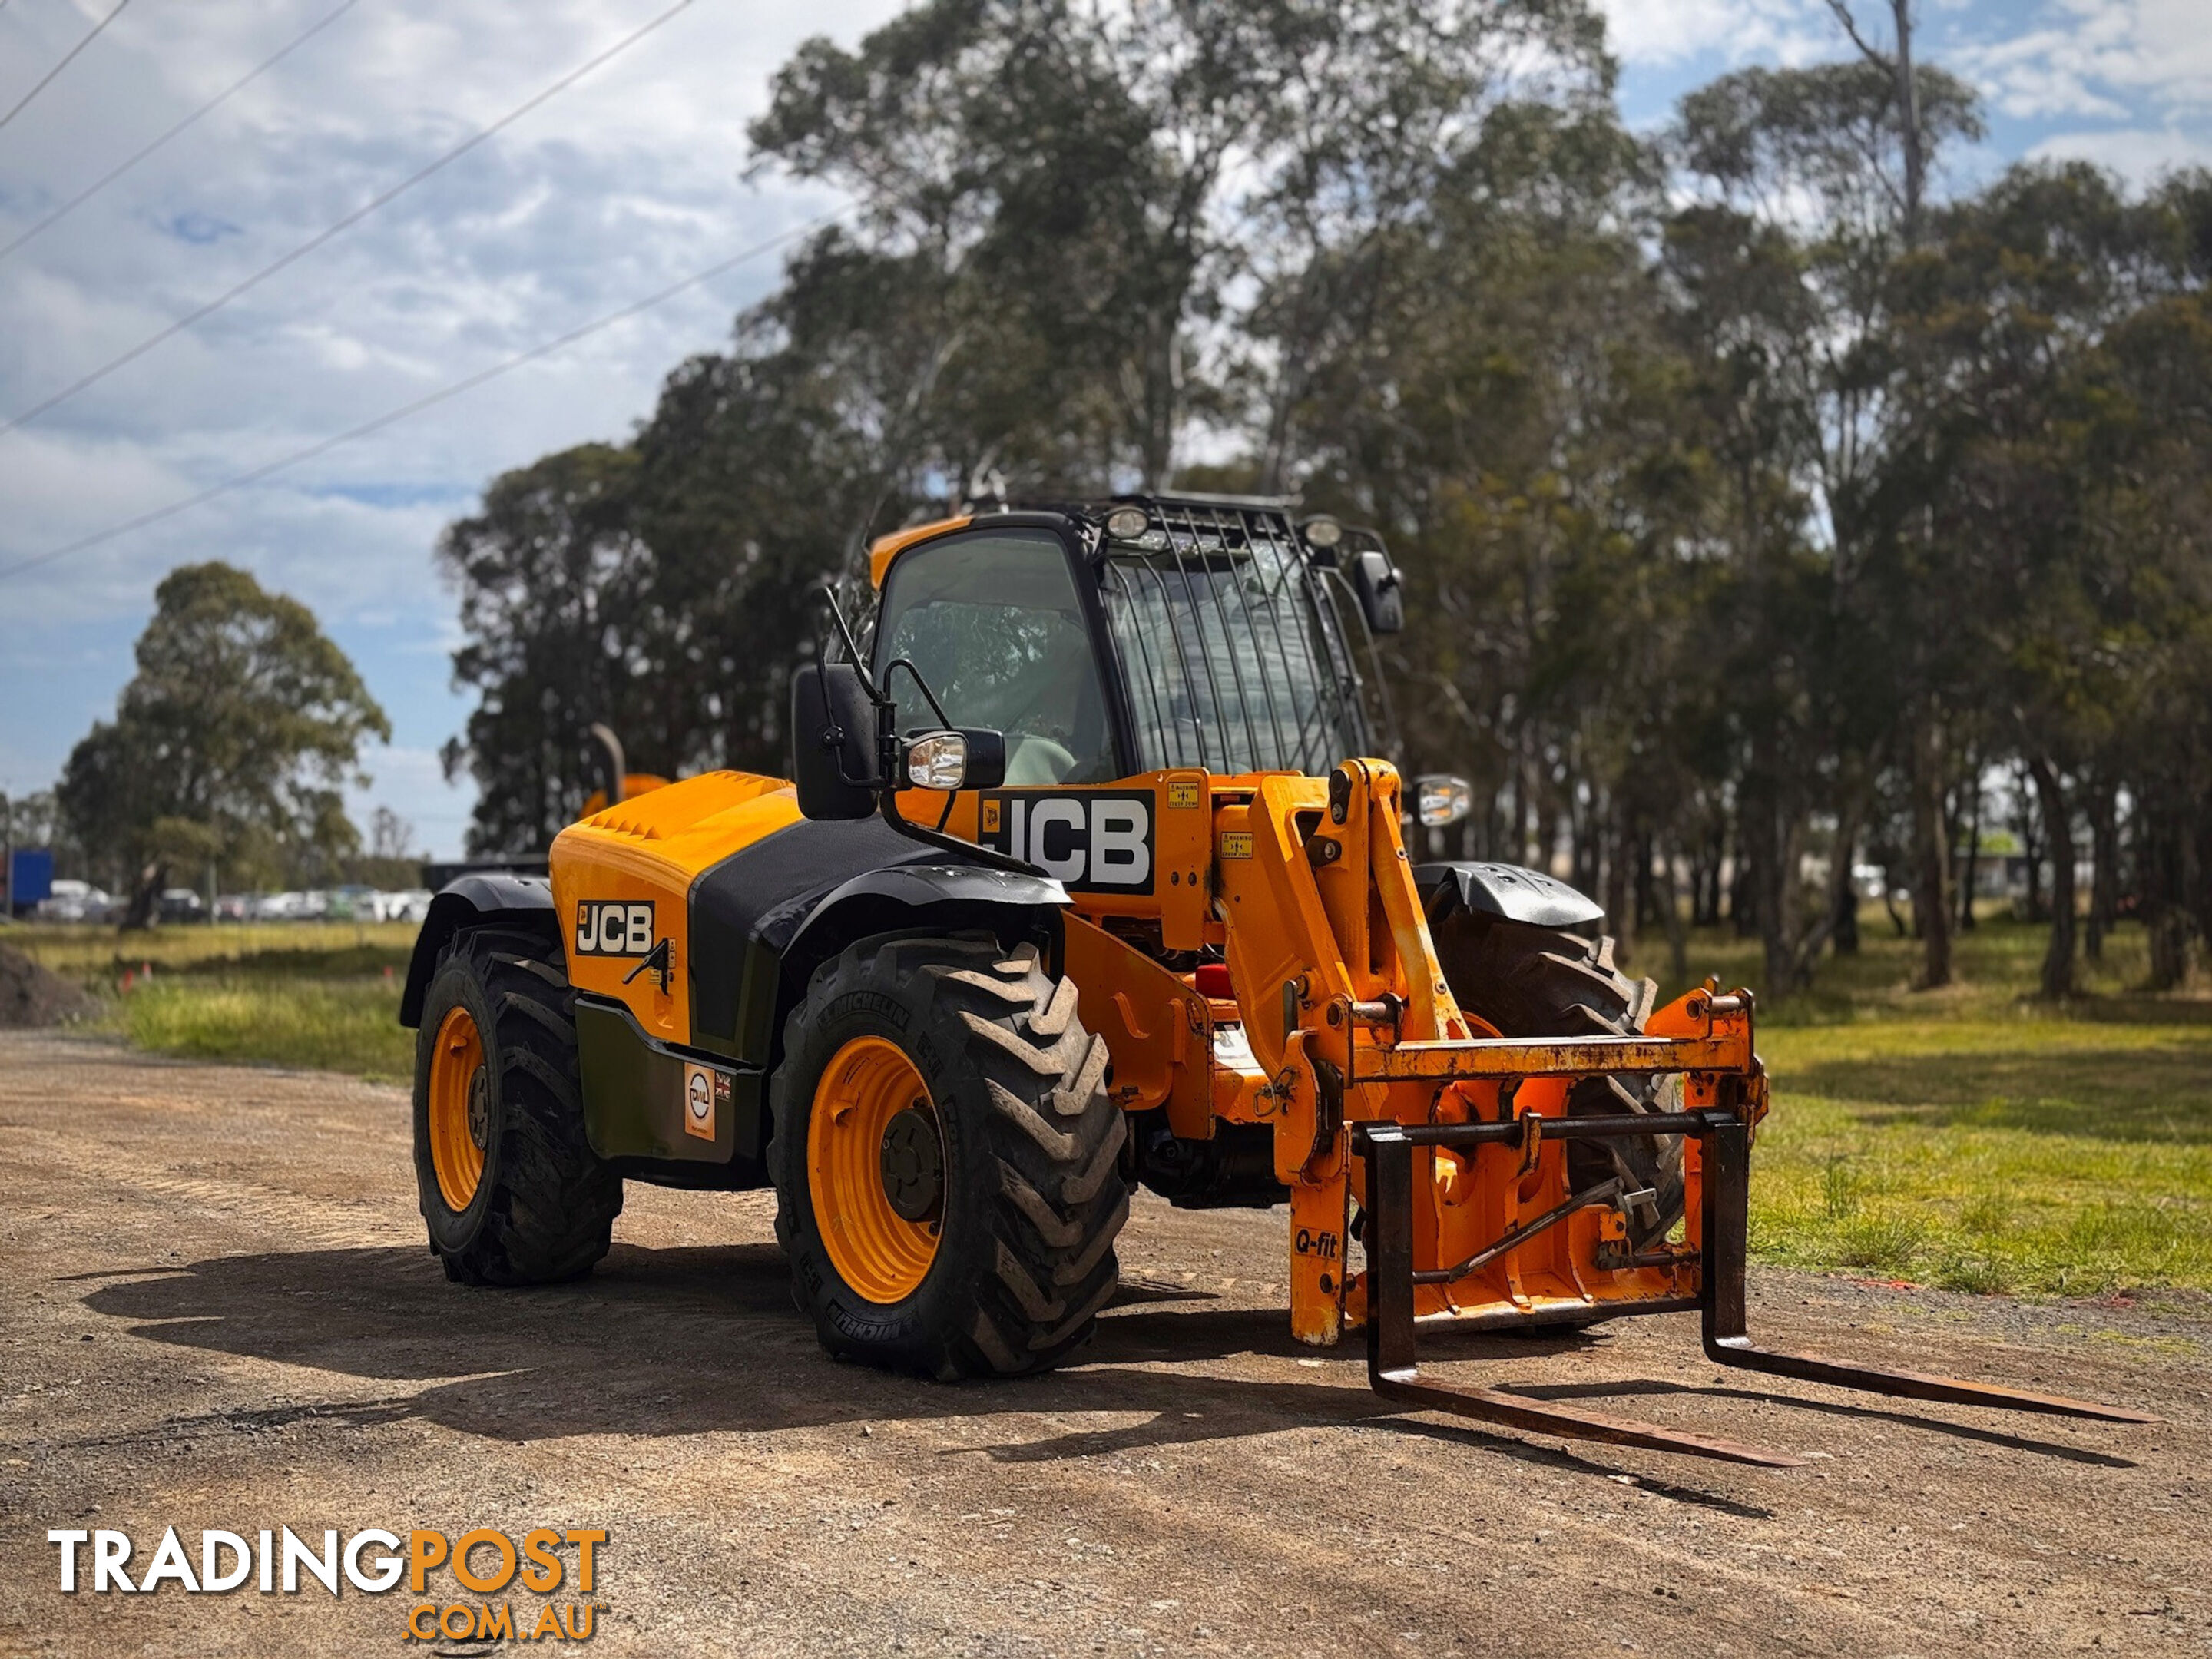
(145, 894)
(1646, 898)
(2105, 865)
(1705, 893)
(1843, 908)
(1973, 849)
(1931, 859)
(1621, 887)
(2031, 841)
(1742, 886)
(2163, 877)
(1678, 935)
(2058, 821)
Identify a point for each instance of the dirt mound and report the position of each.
(30, 996)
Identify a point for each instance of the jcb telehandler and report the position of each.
(1088, 881)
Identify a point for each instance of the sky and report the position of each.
(626, 182)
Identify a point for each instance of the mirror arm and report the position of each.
(828, 594)
(968, 851)
(921, 685)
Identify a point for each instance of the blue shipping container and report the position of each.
(30, 876)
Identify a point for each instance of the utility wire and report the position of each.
(67, 58)
(393, 416)
(239, 85)
(347, 222)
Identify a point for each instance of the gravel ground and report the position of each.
(220, 1313)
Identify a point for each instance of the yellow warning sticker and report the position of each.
(1182, 792)
(990, 816)
(1236, 843)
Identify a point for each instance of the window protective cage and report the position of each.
(1237, 650)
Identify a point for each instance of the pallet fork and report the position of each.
(1724, 1140)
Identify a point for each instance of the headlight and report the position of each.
(1127, 524)
(938, 761)
(1323, 533)
(1444, 800)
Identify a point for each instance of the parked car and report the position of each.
(181, 904)
(78, 901)
(411, 904)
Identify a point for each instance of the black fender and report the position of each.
(1502, 890)
(949, 896)
(481, 895)
(1015, 905)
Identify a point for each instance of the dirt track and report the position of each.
(220, 1313)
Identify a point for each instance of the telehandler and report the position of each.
(1087, 879)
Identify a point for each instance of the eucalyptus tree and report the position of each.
(233, 740)
(1826, 158)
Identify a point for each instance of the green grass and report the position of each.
(349, 1024)
(100, 957)
(1978, 1138)
(324, 995)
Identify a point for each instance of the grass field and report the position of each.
(323, 994)
(1974, 1137)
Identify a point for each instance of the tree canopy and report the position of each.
(1765, 507)
(231, 743)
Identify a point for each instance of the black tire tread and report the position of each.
(1532, 982)
(550, 1216)
(1030, 1083)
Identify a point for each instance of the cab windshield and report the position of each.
(1235, 662)
(993, 622)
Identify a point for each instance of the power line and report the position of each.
(67, 58)
(393, 416)
(113, 173)
(347, 222)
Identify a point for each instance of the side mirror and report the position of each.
(833, 742)
(1381, 592)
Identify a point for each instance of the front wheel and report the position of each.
(946, 1159)
(509, 1187)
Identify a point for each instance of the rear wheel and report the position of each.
(1539, 982)
(946, 1159)
(509, 1187)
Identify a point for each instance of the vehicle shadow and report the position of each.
(705, 1340)
(1907, 1418)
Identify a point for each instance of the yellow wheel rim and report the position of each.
(869, 1109)
(460, 1108)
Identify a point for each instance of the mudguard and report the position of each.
(480, 895)
(877, 893)
(1502, 890)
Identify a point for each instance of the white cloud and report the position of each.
(2138, 154)
(613, 189)
(2102, 58)
(1662, 31)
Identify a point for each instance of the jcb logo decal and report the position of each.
(613, 927)
(1093, 843)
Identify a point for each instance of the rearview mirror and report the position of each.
(1381, 592)
(833, 742)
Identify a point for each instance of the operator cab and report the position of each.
(1113, 638)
